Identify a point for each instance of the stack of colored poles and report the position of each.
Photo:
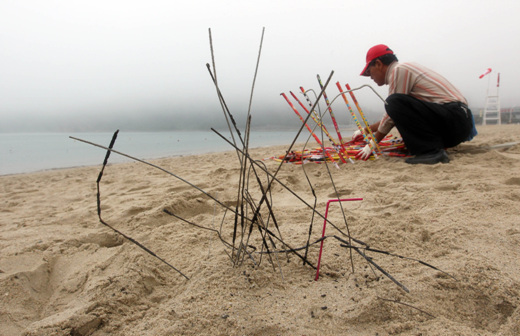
(390, 146)
(341, 150)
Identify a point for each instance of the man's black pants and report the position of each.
(427, 127)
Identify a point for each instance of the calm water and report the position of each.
(23, 153)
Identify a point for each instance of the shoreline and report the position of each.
(313, 144)
(40, 152)
(149, 160)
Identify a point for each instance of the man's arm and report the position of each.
(374, 128)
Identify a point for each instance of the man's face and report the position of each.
(377, 72)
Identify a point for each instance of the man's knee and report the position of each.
(395, 103)
(395, 97)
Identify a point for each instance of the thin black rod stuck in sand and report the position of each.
(111, 227)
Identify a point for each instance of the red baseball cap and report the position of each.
(375, 52)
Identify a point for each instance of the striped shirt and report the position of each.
(419, 82)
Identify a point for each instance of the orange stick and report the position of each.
(363, 116)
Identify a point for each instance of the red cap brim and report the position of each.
(364, 72)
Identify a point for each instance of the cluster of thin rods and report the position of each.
(250, 215)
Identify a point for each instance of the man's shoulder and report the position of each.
(412, 67)
(409, 65)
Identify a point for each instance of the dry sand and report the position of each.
(64, 273)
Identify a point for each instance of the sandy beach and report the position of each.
(63, 272)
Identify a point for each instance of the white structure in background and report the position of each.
(492, 109)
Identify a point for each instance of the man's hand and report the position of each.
(365, 153)
(357, 136)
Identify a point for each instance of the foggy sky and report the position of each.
(79, 65)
